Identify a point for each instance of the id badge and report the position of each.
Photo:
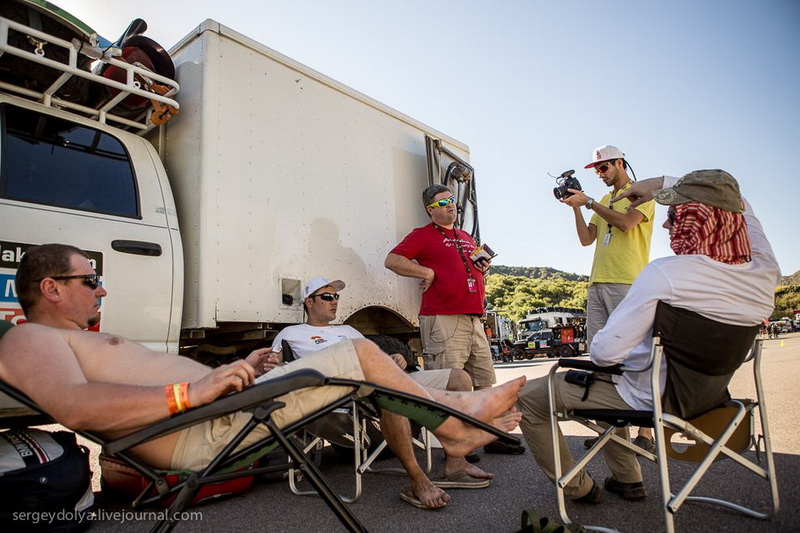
(472, 285)
(607, 239)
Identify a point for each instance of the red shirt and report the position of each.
(449, 294)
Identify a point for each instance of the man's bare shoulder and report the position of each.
(16, 347)
(28, 340)
(24, 331)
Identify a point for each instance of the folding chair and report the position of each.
(701, 357)
(260, 400)
(349, 428)
(355, 426)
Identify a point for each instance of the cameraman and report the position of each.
(623, 243)
(622, 235)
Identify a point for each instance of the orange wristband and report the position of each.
(172, 405)
(184, 393)
(176, 391)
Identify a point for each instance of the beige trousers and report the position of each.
(534, 405)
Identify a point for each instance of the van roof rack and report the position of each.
(69, 60)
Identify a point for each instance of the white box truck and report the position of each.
(204, 229)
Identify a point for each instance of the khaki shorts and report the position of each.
(199, 444)
(432, 379)
(457, 341)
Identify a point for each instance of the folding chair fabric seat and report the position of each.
(702, 356)
(119, 478)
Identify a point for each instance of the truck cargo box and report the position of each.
(281, 174)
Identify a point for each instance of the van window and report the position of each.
(52, 161)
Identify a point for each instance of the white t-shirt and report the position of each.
(734, 294)
(306, 339)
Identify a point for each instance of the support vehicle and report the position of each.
(208, 183)
(551, 332)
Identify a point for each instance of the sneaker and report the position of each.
(594, 495)
(629, 491)
(645, 443)
(588, 443)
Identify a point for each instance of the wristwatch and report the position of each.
(589, 203)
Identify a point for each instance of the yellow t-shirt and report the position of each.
(620, 258)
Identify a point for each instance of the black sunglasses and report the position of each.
(672, 214)
(602, 168)
(327, 296)
(90, 280)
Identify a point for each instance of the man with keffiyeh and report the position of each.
(724, 269)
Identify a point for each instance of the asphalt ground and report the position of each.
(270, 506)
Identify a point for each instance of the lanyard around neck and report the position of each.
(457, 244)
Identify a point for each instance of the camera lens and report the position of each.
(562, 192)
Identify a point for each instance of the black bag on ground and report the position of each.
(45, 482)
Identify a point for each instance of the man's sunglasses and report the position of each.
(326, 296)
(443, 202)
(90, 280)
(604, 167)
(672, 214)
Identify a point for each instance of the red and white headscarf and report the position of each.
(719, 234)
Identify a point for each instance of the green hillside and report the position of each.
(536, 273)
(518, 289)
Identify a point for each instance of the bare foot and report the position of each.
(508, 420)
(429, 495)
(459, 464)
(488, 405)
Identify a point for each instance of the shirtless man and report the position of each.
(104, 383)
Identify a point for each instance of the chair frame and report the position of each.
(261, 400)
(362, 458)
(659, 421)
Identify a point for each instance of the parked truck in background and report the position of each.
(204, 229)
(551, 332)
(500, 331)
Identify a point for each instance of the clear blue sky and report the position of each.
(533, 86)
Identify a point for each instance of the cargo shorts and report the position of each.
(457, 341)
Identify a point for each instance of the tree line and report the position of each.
(519, 289)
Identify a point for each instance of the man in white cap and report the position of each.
(622, 235)
(320, 301)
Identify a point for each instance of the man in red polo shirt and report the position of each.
(452, 293)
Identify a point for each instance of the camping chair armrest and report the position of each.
(245, 400)
(585, 364)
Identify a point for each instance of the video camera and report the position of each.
(566, 181)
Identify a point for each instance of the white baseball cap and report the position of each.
(317, 283)
(605, 153)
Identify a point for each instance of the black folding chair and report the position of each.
(701, 357)
(260, 400)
